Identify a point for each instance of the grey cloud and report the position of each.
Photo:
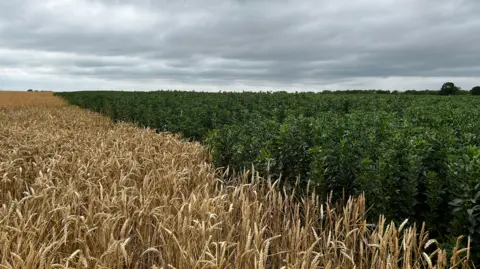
(276, 43)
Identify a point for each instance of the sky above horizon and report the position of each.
(211, 45)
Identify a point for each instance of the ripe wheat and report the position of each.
(16, 99)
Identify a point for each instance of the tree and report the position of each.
(30, 90)
(475, 90)
(449, 88)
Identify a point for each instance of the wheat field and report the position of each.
(31, 99)
(77, 191)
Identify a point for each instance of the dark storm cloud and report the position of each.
(269, 43)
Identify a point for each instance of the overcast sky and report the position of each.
(238, 44)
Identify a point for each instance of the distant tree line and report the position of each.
(448, 88)
(30, 90)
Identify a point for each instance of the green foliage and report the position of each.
(415, 157)
(475, 90)
(449, 88)
(464, 172)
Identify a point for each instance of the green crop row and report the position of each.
(415, 157)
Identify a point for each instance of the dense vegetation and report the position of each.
(414, 157)
(475, 90)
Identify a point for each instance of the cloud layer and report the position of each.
(242, 44)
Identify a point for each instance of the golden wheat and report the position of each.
(15, 99)
(78, 191)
